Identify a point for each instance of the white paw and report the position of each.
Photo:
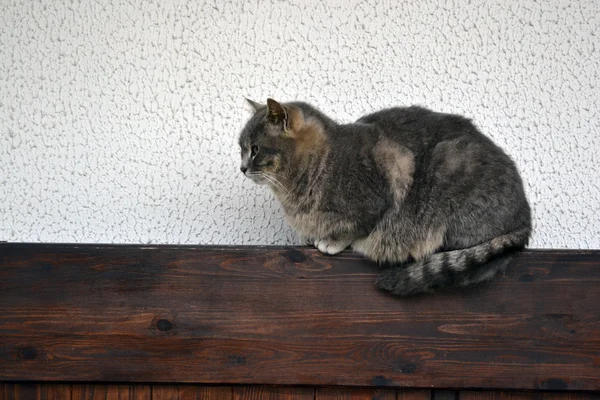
(330, 246)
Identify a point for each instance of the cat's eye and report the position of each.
(253, 151)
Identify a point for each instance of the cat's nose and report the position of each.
(243, 169)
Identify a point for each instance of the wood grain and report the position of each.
(355, 394)
(111, 392)
(55, 392)
(18, 391)
(191, 392)
(165, 392)
(42, 391)
(255, 315)
(442, 394)
(507, 395)
(140, 392)
(272, 393)
(414, 394)
(195, 392)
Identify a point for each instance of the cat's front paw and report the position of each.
(331, 246)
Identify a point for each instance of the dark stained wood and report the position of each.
(441, 394)
(414, 394)
(195, 392)
(165, 392)
(500, 395)
(139, 392)
(191, 392)
(272, 393)
(40, 391)
(18, 391)
(355, 394)
(111, 392)
(55, 392)
(224, 315)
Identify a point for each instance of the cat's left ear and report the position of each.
(277, 114)
(255, 105)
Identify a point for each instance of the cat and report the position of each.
(425, 194)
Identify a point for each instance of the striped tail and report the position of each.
(463, 267)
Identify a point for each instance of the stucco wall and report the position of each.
(118, 119)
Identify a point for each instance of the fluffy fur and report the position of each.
(422, 193)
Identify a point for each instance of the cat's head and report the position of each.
(277, 138)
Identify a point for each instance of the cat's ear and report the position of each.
(256, 106)
(277, 114)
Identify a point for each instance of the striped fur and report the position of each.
(462, 267)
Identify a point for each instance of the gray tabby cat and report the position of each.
(422, 193)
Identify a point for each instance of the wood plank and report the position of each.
(197, 392)
(224, 315)
(272, 393)
(355, 394)
(414, 394)
(165, 392)
(140, 392)
(55, 391)
(20, 391)
(508, 395)
(191, 392)
(444, 394)
(110, 392)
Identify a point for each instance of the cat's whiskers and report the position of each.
(269, 176)
(251, 174)
(283, 187)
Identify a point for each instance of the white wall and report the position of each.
(118, 119)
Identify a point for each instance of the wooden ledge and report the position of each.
(272, 315)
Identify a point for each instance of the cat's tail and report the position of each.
(454, 268)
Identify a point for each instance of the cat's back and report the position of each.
(396, 115)
(421, 125)
(444, 145)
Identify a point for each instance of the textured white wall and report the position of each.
(118, 119)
